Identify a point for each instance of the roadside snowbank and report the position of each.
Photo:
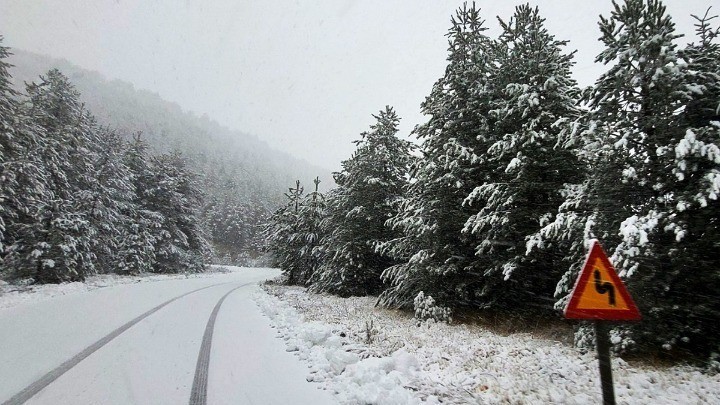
(349, 367)
(374, 356)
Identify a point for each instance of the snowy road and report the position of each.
(193, 340)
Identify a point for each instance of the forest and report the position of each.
(517, 168)
(237, 174)
(77, 199)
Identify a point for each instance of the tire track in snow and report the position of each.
(198, 395)
(32, 389)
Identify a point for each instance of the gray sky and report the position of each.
(304, 75)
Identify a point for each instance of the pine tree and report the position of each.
(282, 237)
(18, 170)
(110, 197)
(650, 197)
(634, 115)
(433, 254)
(309, 232)
(369, 185)
(527, 165)
(61, 235)
(181, 245)
(22, 180)
(677, 234)
(76, 199)
(137, 246)
(8, 113)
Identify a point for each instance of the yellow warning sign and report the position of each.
(599, 293)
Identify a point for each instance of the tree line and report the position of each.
(518, 168)
(78, 198)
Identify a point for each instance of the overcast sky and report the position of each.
(304, 75)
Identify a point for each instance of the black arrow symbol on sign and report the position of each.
(605, 287)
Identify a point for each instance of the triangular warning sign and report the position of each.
(599, 293)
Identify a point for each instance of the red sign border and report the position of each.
(573, 312)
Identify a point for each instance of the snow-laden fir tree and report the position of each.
(20, 177)
(527, 165)
(181, 244)
(232, 223)
(62, 236)
(108, 199)
(8, 113)
(137, 253)
(293, 233)
(432, 253)
(234, 211)
(77, 199)
(163, 233)
(651, 196)
(284, 238)
(311, 213)
(639, 106)
(668, 244)
(369, 185)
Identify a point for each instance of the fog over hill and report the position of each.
(242, 177)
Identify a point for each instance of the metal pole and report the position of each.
(603, 349)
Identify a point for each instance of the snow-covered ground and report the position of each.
(154, 361)
(362, 354)
(373, 356)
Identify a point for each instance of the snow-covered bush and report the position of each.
(426, 309)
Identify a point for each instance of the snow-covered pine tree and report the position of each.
(433, 254)
(20, 177)
(678, 233)
(62, 247)
(181, 244)
(234, 210)
(62, 210)
(140, 235)
(651, 195)
(308, 233)
(535, 99)
(237, 204)
(231, 221)
(76, 200)
(282, 240)
(109, 200)
(8, 114)
(369, 185)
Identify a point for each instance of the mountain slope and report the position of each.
(242, 177)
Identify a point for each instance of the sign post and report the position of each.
(601, 296)
(603, 351)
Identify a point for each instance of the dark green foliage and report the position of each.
(433, 255)
(293, 233)
(172, 192)
(526, 165)
(651, 140)
(62, 234)
(369, 185)
(21, 185)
